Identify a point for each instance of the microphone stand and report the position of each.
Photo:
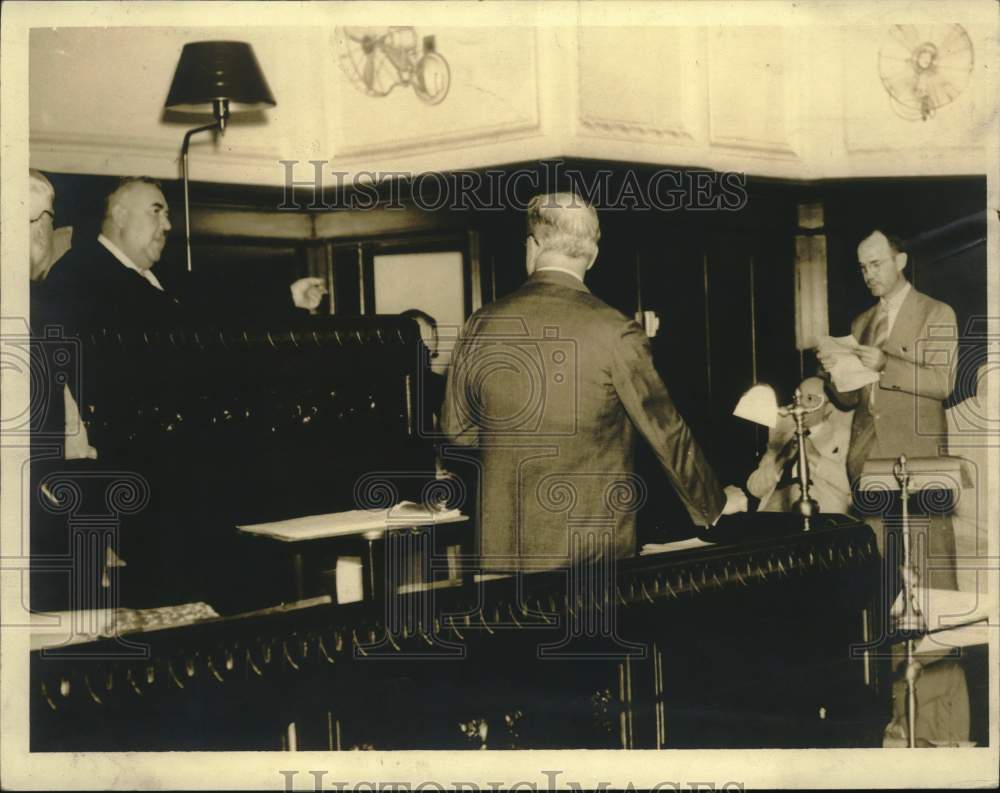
(806, 505)
(909, 619)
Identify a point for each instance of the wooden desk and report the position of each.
(394, 542)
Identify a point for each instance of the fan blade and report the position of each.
(369, 71)
(903, 88)
(907, 35)
(954, 31)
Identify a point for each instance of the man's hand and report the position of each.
(789, 450)
(308, 292)
(872, 357)
(736, 500)
(826, 362)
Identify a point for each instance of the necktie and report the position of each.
(878, 337)
(880, 330)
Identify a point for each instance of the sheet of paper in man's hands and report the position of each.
(847, 371)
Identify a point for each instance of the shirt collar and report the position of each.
(559, 270)
(819, 433)
(121, 256)
(558, 277)
(893, 303)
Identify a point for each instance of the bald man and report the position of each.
(112, 283)
(827, 446)
(109, 282)
(551, 384)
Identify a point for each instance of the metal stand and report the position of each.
(806, 505)
(909, 619)
(220, 108)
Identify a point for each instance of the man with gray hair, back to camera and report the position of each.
(551, 384)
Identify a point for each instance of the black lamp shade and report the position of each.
(214, 70)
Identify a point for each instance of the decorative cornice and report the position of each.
(758, 147)
(631, 130)
(477, 136)
(117, 146)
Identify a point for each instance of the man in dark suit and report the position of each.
(110, 283)
(551, 384)
(430, 395)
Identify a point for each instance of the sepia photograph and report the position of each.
(499, 396)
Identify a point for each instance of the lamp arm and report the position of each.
(185, 145)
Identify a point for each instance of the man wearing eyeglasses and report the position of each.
(47, 243)
(910, 339)
(827, 445)
(46, 247)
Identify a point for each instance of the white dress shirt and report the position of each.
(827, 446)
(560, 270)
(893, 303)
(891, 307)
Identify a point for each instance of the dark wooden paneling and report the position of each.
(907, 207)
(730, 351)
(706, 359)
(943, 222)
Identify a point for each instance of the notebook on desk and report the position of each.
(355, 521)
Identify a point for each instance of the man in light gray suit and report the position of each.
(910, 339)
(552, 384)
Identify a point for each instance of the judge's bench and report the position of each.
(178, 631)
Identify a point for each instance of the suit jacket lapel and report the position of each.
(908, 321)
(866, 334)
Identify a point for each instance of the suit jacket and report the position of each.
(906, 414)
(91, 289)
(552, 384)
(827, 446)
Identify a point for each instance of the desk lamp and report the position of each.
(218, 77)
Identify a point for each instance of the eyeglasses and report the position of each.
(42, 214)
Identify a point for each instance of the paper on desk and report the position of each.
(356, 521)
(667, 547)
(847, 371)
